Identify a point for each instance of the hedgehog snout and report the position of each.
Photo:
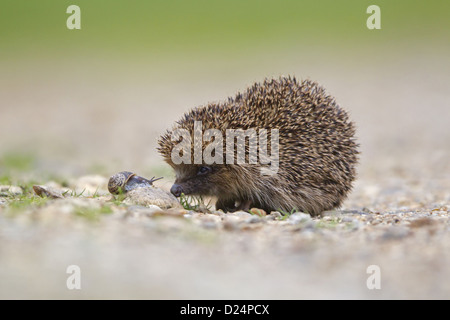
(176, 190)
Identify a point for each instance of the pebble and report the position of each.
(274, 215)
(299, 217)
(241, 213)
(137, 212)
(6, 190)
(422, 222)
(44, 191)
(209, 223)
(347, 219)
(258, 212)
(231, 222)
(151, 196)
(253, 219)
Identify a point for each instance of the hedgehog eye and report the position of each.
(204, 170)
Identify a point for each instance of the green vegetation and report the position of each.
(74, 194)
(195, 203)
(198, 26)
(286, 214)
(117, 199)
(93, 214)
(328, 224)
(5, 180)
(25, 201)
(16, 162)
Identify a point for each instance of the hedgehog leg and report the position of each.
(226, 205)
(244, 205)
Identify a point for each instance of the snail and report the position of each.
(125, 181)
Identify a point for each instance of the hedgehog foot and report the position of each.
(244, 205)
(225, 205)
(230, 205)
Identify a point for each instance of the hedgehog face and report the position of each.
(197, 180)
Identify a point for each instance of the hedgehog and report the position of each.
(316, 149)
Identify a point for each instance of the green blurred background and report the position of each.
(156, 29)
(96, 99)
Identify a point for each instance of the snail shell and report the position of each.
(125, 181)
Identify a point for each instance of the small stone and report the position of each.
(331, 213)
(253, 219)
(170, 224)
(366, 210)
(258, 212)
(208, 221)
(421, 222)
(299, 217)
(15, 190)
(209, 225)
(151, 196)
(347, 219)
(274, 215)
(231, 223)
(172, 212)
(242, 214)
(137, 211)
(7, 190)
(250, 227)
(310, 225)
(443, 209)
(44, 191)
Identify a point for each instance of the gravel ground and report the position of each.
(129, 251)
